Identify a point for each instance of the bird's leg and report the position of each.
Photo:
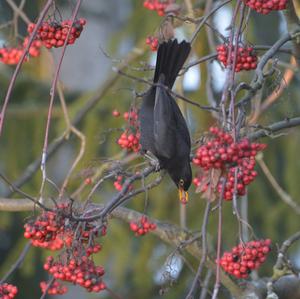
(153, 160)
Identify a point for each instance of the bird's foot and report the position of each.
(153, 161)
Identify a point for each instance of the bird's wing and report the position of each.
(147, 122)
(182, 129)
(164, 124)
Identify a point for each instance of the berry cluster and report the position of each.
(48, 231)
(142, 227)
(245, 257)
(8, 291)
(158, 5)
(12, 55)
(130, 139)
(152, 42)
(266, 6)
(53, 230)
(235, 160)
(81, 271)
(246, 58)
(55, 289)
(54, 34)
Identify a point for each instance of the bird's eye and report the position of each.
(181, 182)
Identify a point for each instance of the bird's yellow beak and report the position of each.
(183, 195)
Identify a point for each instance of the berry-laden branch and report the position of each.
(49, 228)
(259, 77)
(178, 238)
(18, 67)
(120, 197)
(52, 94)
(90, 103)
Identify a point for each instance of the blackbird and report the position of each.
(164, 132)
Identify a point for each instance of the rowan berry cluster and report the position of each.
(54, 34)
(53, 230)
(158, 5)
(245, 257)
(130, 138)
(152, 42)
(80, 270)
(12, 55)
(246, 58)
(266, 6)
(235, 160)
(142, 227)
(48, 230)
(8, 291)
(56, 288)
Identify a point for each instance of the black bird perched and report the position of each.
(163, 128)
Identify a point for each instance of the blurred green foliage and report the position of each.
(132, 263)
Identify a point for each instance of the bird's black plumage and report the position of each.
(163, 128)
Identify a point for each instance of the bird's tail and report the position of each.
(170, 59)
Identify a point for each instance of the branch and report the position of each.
(293, 25)
(174, 94)
(18, 67)
(18, 11)
(98, 95)
(52, 94)
(18, 262)
(259, 77)
(270, 130)
(176, 236)
(285, 197)
(168, 233)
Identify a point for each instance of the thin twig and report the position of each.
(285, 197)
(90, 103)
(52, 94)
(218, 272)
(18, 67)
(18, 11)
(76, 132)
(205, 18)
(18, 262)
(15, 189)
(51, 281)
(166, 88)
(206, 282)
(204, 251)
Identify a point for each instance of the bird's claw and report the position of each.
(156, 164)
(153, 162)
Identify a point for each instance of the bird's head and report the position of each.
(183, 179)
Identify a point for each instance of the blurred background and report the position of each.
(135, 267)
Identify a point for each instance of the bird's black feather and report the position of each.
(163, 128)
